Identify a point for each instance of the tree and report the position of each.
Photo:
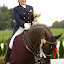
(58, 24)
(62, 24)
(61, 50)
(55, 24)
(6, 18)
(0, 51)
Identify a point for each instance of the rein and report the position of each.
(34, 50)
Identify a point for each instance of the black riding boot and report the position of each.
(7, 55)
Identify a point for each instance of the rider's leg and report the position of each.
(19, 31)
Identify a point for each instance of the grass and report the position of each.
(5, 34)
(58, 31)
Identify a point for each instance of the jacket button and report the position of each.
(28, 17)
(28, 13)
(24, 17)
(24, 13)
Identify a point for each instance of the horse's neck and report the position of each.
(34, 36)
(35, 33)
(39, 32)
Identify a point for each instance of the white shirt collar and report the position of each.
(23, 5)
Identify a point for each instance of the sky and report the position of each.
(51, 10)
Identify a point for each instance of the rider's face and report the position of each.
(23, 2)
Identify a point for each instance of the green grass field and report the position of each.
(58, 31)
(7, 34)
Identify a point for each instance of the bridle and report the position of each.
(45, 41)
(33, 49)
(50, 42)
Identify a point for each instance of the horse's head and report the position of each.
(49, 46)
(50, 43)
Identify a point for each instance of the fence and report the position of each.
(3, 47)
(57, 61)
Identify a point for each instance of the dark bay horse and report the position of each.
(27, 46)
(33, 37)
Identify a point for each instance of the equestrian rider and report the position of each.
(23, 15)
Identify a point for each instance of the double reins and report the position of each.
(33, 49)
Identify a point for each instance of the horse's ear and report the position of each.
(58, 36)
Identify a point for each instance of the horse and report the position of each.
(33, 40)
(29, 45)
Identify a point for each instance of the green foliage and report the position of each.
(52, 55)
(56, 56)
(61, 49)
(63, 52)
(58, 24)
(1, 62)
(62, 24)
(4, 50)
(55, 24)
(6, 18)
(0, 51)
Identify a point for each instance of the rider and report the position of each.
(23, 15)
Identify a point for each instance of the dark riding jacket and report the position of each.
(22, 15)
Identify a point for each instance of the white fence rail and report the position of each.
(57, 61)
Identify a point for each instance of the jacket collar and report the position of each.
(24, 6)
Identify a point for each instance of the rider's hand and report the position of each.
(27, 26)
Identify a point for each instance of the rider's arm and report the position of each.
(17, 18)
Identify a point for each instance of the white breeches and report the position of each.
(19, 31)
